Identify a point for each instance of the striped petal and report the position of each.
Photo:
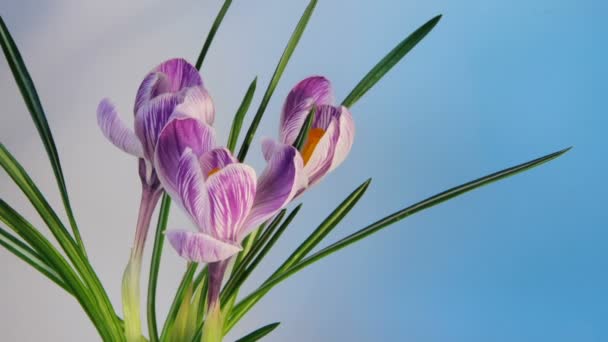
(197, 103)
(177, 136)
(191, 188)
(345, 138)
(114, 129)
(169, 77)
(151, 118)
(215, 160)
(315, 90)
(200, 247)
(277, 185)
(319, 163)
(231, 194)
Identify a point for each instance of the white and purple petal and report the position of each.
(277, 185)
(197, 103)
(320, 161)
(152, 118)
(114, 129)
(231, 195)
(345, 137)
(200, 247)
(315, 90)
(177, 136)
(215, 160)
(180, 74)
(192, 192)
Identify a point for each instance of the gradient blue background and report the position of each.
(496, 83)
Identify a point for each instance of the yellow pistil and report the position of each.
(314, 136)
(213, 171)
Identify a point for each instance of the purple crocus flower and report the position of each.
(224, 198)
(332, 132)
(174, 89)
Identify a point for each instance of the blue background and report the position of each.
(495, 84)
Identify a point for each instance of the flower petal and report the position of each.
(197, 103)
(180, 74)
(321, 158)
(116, 131)
(345, 137)
(191, 188)
(169, 77)
(231, 194)
(310, 91)
(215, 160)
(200, 247)
(178, 135)
(277, 185)
(151, 118)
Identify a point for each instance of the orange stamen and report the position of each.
(213, 171)
(314, 136)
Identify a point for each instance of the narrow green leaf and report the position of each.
(179, 297)
(301, 138)
(393, 57)
(27, 254)
(239, 268)
(50, 218)
(237, 122)
(212, 32)
(259, 333)
(30, 96)
(274, 81)
(325, 227)
(157, 252)
(58, 263)
(247, 303)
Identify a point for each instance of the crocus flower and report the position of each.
(224, 199)
(172, 89)
(332, 132)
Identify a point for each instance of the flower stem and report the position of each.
(213, 329)
(131, 277)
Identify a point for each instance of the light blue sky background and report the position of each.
(495, 84)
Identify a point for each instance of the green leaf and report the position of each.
(211, 35)
(57, 262)
(50, 218)
(325, 227)
(393, 57)
(259, 333)
(27, 254)
(303, 134)
(235, 279)
(247, 303)
(179, 298)
(30, 96)
(157, 252)
(237, 122)
(274, 81)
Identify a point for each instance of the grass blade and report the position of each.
(237, 122)
(58, 263)
(50, 218)
(393, 57)
(216, 25)
(30, 256)
(325, 227)
(259, 333)
(32, 101)
(177, 301)
(247, 303)
(157, 251)
(274, 81)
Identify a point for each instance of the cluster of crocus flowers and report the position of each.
(224, 198)
(172, 89)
